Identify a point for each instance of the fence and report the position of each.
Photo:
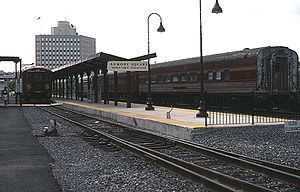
(224, 118)
(250, 110)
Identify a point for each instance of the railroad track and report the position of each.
(217, 169)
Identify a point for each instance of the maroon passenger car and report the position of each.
(270, 72)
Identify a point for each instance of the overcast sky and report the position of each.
(120, 26)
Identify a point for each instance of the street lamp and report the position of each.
(202, 110)
(160, 29)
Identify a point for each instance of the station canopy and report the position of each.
(94, 62)
(14, 59)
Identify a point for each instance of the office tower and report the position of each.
(63, 46)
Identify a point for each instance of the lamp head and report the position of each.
(217, 9)
(161, 28)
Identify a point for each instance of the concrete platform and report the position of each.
(24, 163)
(183, 123)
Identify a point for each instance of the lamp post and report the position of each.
(160, 29)
(202, 109)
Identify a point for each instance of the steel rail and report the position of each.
(281, 172)
(210, 178)
(284, 168)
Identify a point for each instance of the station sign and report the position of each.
(292, 126)
(127, 66)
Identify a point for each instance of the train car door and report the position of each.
(279, 66)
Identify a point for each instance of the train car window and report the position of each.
(153, 79)
(193, 76)
(184, 77)
(218, 75)
(226, 74)
(37, 77)
(164, 79)
(210, 75)
(175, 78)
(159, 79)
(167, 78)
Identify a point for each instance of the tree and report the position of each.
(11, 85)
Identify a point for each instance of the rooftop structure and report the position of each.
(63, 28)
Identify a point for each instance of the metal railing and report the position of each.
(225, 118)
(247, 111)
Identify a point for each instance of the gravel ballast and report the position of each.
(78, 166)
(268, 142)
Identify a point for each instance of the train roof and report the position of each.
(245, 53)
(34, 67)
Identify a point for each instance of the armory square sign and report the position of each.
(127, 66)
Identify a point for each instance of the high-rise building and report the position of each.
(63, 46)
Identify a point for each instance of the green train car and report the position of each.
(37, 84)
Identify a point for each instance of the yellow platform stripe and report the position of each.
(141, 116)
